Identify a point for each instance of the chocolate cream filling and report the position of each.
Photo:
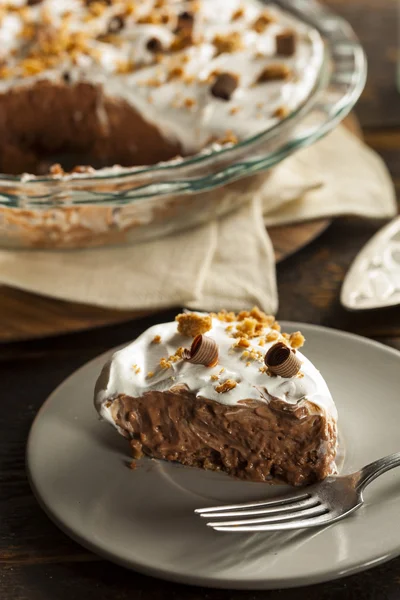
(74, 124)
(253, 440)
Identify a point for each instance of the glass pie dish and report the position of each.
(125, 205)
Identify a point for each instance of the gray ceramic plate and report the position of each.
(144, 519)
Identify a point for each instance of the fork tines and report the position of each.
(298, 510)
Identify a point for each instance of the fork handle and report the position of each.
(377, 468)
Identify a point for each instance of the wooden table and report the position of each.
(38, 562)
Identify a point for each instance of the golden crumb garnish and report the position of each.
(247, 326)
(175, 73)
(234, 110)
(228, 138)
(226, 386)
(262, 22)
(274, 72)
(242, 343)
(248, 364)
(97, 8)
(5, 72)
(229, 328)
(150, 374)
(276, 326)
(272, 336)
(156, 339)
(296, 340)
(165, 364)
(231, 42)
(179, 352)
(136, 369)
(245, 354)
(300, 375)
(257, 314)
(225, 316)
(193, 324)
(188, 79)
(214, 377)
(32, 66)
(281, 112)
(189, 103)
(261, 342)
(126, 66)
(238, 14)
(286, 336)
(222, 370)
(173, 358)
(56, 169)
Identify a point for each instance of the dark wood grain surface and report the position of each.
(38, 562)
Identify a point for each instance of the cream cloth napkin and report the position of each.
(228, 263)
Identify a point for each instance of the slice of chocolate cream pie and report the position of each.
(223, 392)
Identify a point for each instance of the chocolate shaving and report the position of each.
(225, 85)
(286, 43)
(33, 2)
(154, 45)
(282, 361)
(116, 24)
(203, 351)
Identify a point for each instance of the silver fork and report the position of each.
(319, 504)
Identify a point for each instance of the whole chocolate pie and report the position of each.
(223, 392)
(134, 82)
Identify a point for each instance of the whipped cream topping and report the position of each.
(78, 40)
(128, 372)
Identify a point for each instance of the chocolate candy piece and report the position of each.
(286, 43)
(282, 361)
(225, 85)
(185, 21)
(154, 45)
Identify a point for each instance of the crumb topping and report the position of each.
(296, 340)
(226, 386)
(193, 324)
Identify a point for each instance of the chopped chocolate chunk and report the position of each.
(116, 24)
(67, 77)
(225, 85)
(274, 73)
(154, 45)
(33, 2)
(286, 43)
(185, 21)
